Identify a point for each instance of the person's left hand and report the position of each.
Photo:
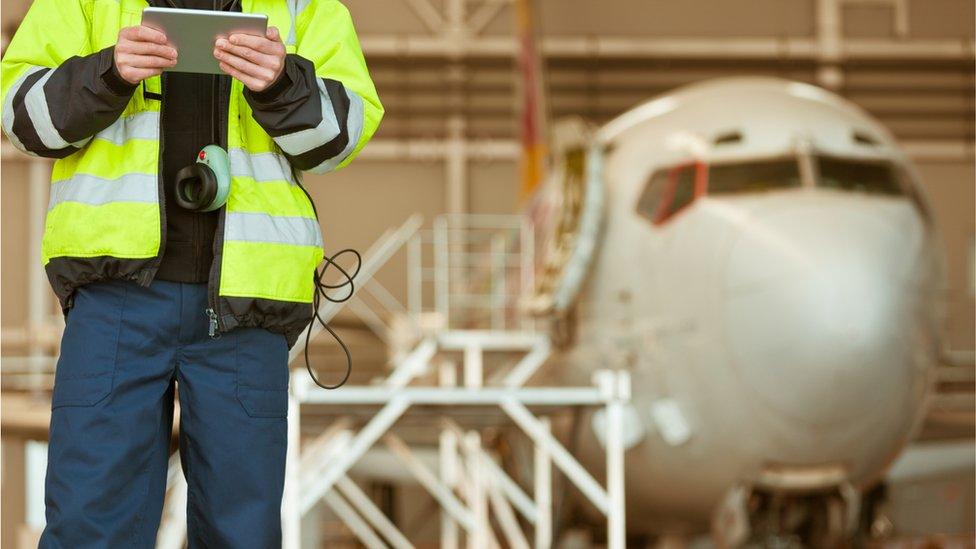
(257, 61)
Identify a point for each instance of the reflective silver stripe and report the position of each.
(305, 140)
(8, 110)
(266, 166)
(295, 7)
(89, 189)
(260, 227)
(40, 116)
(354, 127)
(82, 142)
(141, 125)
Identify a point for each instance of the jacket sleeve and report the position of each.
(56, 92)
(324, 107)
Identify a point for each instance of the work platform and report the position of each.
(470, 485)
(466, 279)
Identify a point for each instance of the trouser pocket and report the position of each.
(262, 372)
(86, 368)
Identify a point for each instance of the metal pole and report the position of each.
(291, 516)
(527, 267)
(444, 495)
(355, 523)
(448, 461)
(38, 307)
(531, 362)
(14, 516)
(473, 366)
(506, 518)
(616, 516)
(442, 267)
(415, 277)
(541, 436)
(373, 515)
(359, 445)
(510, 489)
(497, 278)
(829, 41)
(477, 497)
(456, 165)
(543, 493)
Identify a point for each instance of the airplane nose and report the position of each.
(819, 315)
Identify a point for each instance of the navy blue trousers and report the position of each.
(124, 352)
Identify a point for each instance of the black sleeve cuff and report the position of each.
(277, 88)
(110, 76)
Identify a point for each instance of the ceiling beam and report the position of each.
(669, 48)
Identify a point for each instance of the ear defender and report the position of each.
(204, 185)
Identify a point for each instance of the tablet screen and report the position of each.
(193, 33)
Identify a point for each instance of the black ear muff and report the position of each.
(196, 187)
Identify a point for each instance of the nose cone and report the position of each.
(821, 318)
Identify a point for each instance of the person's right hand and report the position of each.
(142, 52)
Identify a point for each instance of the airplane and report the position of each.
(760, 255)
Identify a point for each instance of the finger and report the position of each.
(259, 43)
(243, 65)
(145, 61)
(147, 48)
(273, 34)
(143, 33)
(248, 80)
(252, 55)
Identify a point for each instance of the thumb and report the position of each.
(273, 34)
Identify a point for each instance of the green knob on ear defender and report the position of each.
(203, 186)
(217, 160)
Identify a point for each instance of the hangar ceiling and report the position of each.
(908, 63)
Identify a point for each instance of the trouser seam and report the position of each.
(141, 517)
(118, 337)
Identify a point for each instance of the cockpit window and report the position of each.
(754, 176)
(650, 198)
(862, 176)
(684, 188)
(667, 192)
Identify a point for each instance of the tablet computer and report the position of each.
(193, 33)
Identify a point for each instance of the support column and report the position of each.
(473, 366)
(14, 493)
(456, 166)
(39, 313)
(616, 516)
(829, 36)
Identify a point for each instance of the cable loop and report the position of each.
(320, 294)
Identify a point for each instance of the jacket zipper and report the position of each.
(213, 312)
(212, 330)
(216, 325)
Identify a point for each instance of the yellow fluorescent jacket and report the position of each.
(105, 218)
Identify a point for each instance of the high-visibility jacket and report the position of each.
(105, 218)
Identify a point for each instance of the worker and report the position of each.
(163, 302)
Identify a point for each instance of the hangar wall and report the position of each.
(601, 58)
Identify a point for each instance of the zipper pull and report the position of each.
(212, 332)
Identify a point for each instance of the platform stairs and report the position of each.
(460, 344)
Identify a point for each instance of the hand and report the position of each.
(257, 61)
(142, 52)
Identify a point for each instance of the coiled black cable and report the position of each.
(321, 292)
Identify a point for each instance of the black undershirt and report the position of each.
(188, 119)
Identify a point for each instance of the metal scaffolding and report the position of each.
(474, 312)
